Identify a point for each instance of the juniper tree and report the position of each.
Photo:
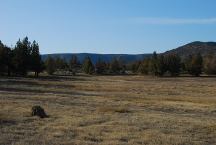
(88, 66)
(74, 64)
(173, 64)
(144, 66)
(210, 64)
(50, 65)
(154, 64)
(100, 66)
(115, 66)
(194, 64)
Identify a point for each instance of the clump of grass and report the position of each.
(122, 110)
(115, 109)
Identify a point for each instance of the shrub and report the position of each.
(38, 111)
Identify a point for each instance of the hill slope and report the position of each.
(204, 48)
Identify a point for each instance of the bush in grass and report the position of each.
(38, 111)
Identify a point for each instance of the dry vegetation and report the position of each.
(108, 110)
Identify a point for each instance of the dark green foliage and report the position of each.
(74, 64)
(5, 59)
(194, 64)
(134, 67)
(173, 64)
(38, 111)
(144, 66)
(160, 64)
(154, 64)
(50, 65)
(210, 64)
(101, 67)
(61, 64)
(88, 66)
(115, 67)
(36, 62)
(21, 59)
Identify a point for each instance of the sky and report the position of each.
(107, 26)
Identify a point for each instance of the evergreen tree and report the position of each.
(173, 64)
(36, 62)
(115, 66)
(50, 65)
(161, 65)
(74, 64)
(144, 66)
(88, 66)
(61, 64)
(2, 58)
(5, 59)
(194, 65)
(21, 59)
(135, 66)
(210, 64)
(100, 66)
(154, 64)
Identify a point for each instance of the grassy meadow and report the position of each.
(108, 110)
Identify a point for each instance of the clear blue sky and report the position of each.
(108, 26)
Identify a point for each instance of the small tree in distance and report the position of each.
(88, 66)
(210, 64)
(74, 64)
(50, 65)
(173, 64)
(100, 67)
(194, 64)
(115, 66)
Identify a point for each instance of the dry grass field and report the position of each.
(108, 110)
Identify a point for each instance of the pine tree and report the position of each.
(100, 67)
(74, 64)
(36, 62)
(5, 59)
(173, 64)
(115, 66)
(21, 59)
(154, 64)
(50, 65)
(134, 67)
(161, 65)
(194, 65)
(144, 66)
(88, 66)
(62, 64)
(210, 64)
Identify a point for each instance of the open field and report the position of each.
(108, 110)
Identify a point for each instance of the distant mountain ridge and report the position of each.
(105, 57)
(203, 48)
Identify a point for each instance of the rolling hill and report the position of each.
(105, 57)
(203, 48)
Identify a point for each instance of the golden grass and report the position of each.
(108, 110)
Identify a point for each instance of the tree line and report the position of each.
(21, 59)
(174, 65)
(25, 57)
(73, 66)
